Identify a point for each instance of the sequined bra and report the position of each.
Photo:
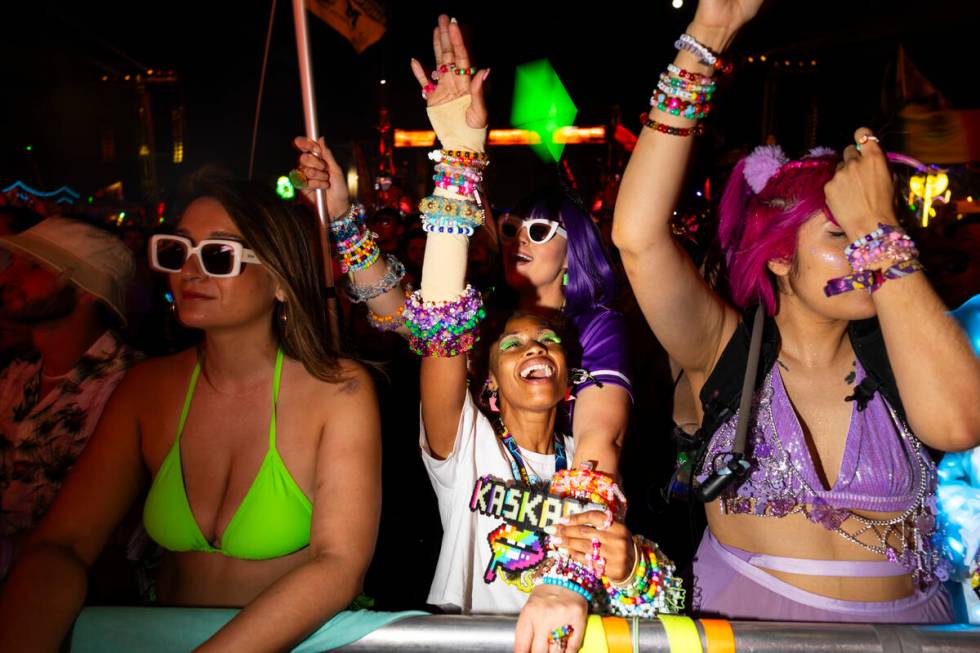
(884, 469)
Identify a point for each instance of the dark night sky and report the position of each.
(606, 53)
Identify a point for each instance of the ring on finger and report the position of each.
(597, 563)
(298, 178)
(560, 635)
(864, 139)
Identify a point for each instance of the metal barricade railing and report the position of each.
(486, 634)
(178, 629)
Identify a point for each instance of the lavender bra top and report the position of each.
(883, 468)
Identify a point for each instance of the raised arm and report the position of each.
(459, 118)
(690, 320)
(935, 368)
(379, 284)
(346, 510)
(46, 587)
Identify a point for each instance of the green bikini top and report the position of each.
(273, 519)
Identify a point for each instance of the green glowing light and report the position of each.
(284, 188)
(542, 105)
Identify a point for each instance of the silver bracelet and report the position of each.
(361, 294)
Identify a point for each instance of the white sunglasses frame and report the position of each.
(554, 228)
(240, 254)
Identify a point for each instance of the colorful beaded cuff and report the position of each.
(444, 329)
(446, 211)
(395, 273)
(358, 253)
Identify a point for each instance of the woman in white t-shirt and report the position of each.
(483, 471)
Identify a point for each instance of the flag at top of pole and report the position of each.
(362, 22)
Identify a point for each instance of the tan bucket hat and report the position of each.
(95, 261)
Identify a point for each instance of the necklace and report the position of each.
(517, 463)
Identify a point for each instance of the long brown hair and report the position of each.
(286, 241)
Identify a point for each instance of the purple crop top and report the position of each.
(884, 469)
(605, 352)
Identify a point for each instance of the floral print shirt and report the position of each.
(41, 437)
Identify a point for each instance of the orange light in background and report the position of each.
(574, 135)
(405, 138)
(568, 135)
(513, 137)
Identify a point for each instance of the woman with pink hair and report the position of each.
(858, 365)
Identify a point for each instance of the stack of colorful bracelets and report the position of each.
(885, 253)
(444, 329)
(650, 588)
(454, 208)
(684, 93)
(358, 251)
(354, 242)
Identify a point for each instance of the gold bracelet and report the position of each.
(626, 582)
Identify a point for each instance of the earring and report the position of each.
(564, 279)
(490, 396)
(283, 318)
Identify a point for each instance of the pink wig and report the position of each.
(766, 201)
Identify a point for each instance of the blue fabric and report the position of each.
(968, 315)
(171, 630)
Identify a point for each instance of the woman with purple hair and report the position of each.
(555, 262)
(860, 366)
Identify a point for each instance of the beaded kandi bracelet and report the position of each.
(395, 273)
(349, 225)
(886, 243)
(663, 128)
(444, 329)
(591, 486)
(388, 322)
(446, 212)
(705, 55)
(652, 588)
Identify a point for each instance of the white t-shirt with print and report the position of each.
(465, 553)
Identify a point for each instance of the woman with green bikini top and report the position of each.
(255, 446)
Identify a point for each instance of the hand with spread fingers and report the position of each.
(607, 550)
(453, 76)
(317, 168)
(861, 193)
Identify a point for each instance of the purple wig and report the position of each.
(766, 201)
(591, 281)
